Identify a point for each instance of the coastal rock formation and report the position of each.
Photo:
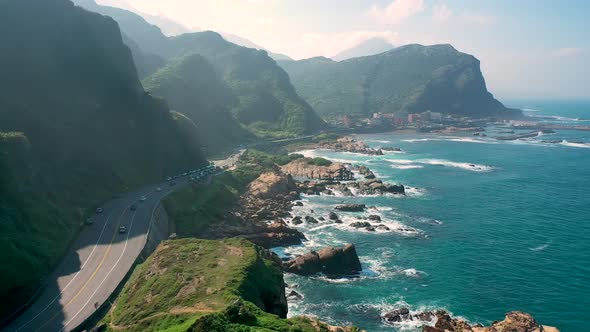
(403, 315)
(515, 321)
(351, 207)
(271, 184)
(370, 187)
(349, 144)
(306, 168)
(330, 261)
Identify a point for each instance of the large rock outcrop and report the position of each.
(515, 321)
(330, 261)
(306, 168)
(271, 184)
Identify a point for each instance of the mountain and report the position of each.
(368, 47)
(266, 101)
(192, 87)
(247, 43)
(76, 127)
(411, 78)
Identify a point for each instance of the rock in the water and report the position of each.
(351, 207)
(297, 220)
(298, 203)
(330, 261)
(293, 295)
(397, 315)
(310, 220)
(333, 216)
(361, 224)
(374, 217)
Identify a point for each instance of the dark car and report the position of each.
(133, 208)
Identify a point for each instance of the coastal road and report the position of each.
(96, 263)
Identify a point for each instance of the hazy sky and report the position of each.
(528, 48)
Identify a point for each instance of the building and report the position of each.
(436, 117)
(346, 121)
(413, 118)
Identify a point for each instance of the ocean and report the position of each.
(486, 227)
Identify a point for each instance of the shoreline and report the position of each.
(387, 317)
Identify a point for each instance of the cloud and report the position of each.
(570, 51)
(480, 19)
(441, 13)
(397, 11)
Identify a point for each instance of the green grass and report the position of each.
(196, 208)
(204, 285)
(319, 161)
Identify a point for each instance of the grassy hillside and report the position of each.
(209, 286)
(412, 78)
(76, 127)
(191, 86)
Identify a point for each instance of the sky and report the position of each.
(527, 48)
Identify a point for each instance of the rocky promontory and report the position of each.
(515, 321)
(318, 168)
(329, 261)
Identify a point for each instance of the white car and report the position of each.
(158, 189)
(142, 199)
(122, 229)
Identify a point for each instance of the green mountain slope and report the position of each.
(412, 78)
(76, 127)
(267, 103)
(192, 87)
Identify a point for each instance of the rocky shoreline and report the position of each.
(267, 208)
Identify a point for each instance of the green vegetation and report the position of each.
(410, 78)
(191, 86)
(205, 285)
(196, 208)
(248, 82)
(77, 127)
(318, 161)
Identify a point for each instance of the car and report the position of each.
(142, 198)
(158, 189)
(133, 208)
(192, 172)
(184, 174)
(89, 221)
(99, 210)
(122, 229)
(168, 178)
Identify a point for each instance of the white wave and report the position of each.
(401, 161)
(542, 247)
(452, 139)
(413, 273)
(406, 166)
(461, 165)
(414, 192)
(378, 141)
(530, 110)
(442, 162)
(575, 144)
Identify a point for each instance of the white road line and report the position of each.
(75, 276)
(77, 273)
(108, 274)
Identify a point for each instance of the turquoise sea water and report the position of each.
(487, 227)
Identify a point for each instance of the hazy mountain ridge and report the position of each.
(368, 47)
(266, 101)
(411, 78)
(76, 127)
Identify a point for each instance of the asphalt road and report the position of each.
(96, 264)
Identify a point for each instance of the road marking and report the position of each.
(108, 274)
(75, 276)
(91, 277)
